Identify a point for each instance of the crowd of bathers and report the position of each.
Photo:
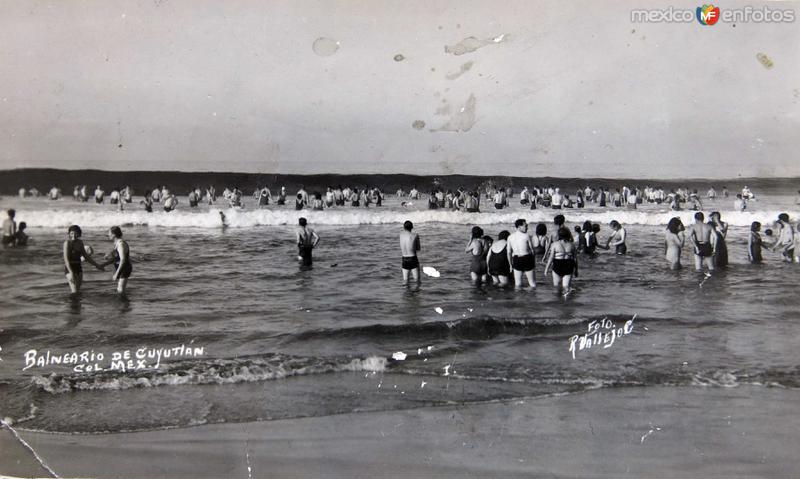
(460, 199)
(513, 256)
(557, 198)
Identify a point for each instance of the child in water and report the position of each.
(21, 238)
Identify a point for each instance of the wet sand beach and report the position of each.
(653, 432)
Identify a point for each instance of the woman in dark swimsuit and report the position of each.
(121, 258)
(721, 230)
(74, 250)
(477, 247)
(497, 259)
(754, 244)
(564, 260)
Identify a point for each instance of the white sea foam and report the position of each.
(53, 218)
(220, 372)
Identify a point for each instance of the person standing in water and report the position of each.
(754, 243)
(520, 255)
(497, 259)
(540, 242)
(9, 228)
(120, 258)
(307, 239)
(721, 231)
(617, 238)
(785, 240)
(563, 259)
(409, 245)
(477, 247)
(73, 251)
(21, 238)
(704, 240)
(674, 239)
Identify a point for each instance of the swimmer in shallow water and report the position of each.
(120, 258)
(754, 244)
(617, 238)
(563, 259)
(477, 247)
(497, 260)
(705, 243)
(785, 241)
(9, 228)
(520, 255)
(21, 238)
(307, 240)
(73, 251)
(540, 242)
(674, 239)
(409, 245)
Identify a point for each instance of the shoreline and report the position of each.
(667, 432)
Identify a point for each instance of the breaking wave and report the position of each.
(236, 218)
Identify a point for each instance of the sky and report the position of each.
(523, 88)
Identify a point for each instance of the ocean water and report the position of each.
(222, 325)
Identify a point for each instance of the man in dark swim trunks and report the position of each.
(704, 242)
(409, 245)
(520, 255)
(307, 239)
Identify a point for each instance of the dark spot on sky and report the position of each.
(399, 57)
(120, 145)
(433, 69)
(734, 25)
(633, 30)
(418, 124)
